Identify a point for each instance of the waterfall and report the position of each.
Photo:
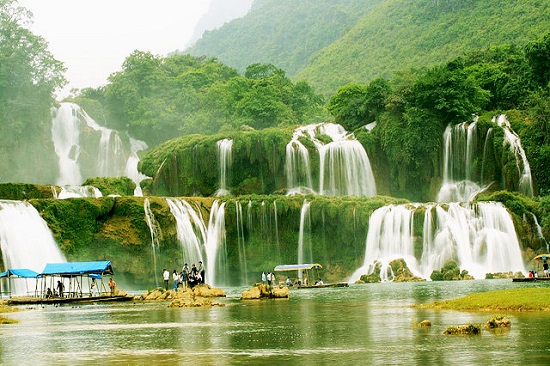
(201, 241)
(525, 184)
(25, 240)
(154, 231)
(215, 242)
(131, 169)
(538, 229)
(459, 151)
(224, 160)
(304, 249)
(78, 191)
(115, 157)
(344, 166)
(66, 141)
(345, 170)
(486, 145)
(297, 168)
(191, 230)
(241, 241)
(480, 237)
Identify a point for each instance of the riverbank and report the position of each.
(6, 309)
(520, 299)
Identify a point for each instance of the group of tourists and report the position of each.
(187, 277)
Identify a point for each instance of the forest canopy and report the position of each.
(162, 98)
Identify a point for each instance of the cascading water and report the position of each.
(215, 243)
(114, 158)
(344, 167)
(191, 230)
(224, 159)
(154, 230)
(201, 242)
(525, 184)
(241, 240)
(66, 140)
(459, 151)
(297, 168)
(78, 191)
(26, 241)
(480, 237)
(304, 245)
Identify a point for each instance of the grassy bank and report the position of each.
(520, 299)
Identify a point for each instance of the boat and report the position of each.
(303, 274)
(534, 275)
(64, 283)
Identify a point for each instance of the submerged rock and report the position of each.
(498, 321)
(465, 329)
(424, 324)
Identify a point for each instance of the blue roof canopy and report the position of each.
(77, 268)
(297, 267)
(21, 272)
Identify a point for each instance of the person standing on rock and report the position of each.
(176, 279)
(201, 272)
(185, 276)
(166, 277)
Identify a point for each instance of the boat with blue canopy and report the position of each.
(18, 274)
(71, 282)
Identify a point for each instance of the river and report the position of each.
(370, 324)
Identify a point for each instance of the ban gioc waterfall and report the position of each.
(325, 208)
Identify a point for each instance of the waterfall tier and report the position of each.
(344, 166)
(480, 237)
(26, 241)
(85, 149)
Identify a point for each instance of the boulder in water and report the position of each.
(262, 291)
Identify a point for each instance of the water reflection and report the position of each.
(368, 324)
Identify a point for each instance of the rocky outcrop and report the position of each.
(262, 291)
(199, 296)
(400, 273)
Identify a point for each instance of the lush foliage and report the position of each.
(28, 77)
(122, 186)
(162, 98)
(333, 43)
(282, 32)
(413, 109)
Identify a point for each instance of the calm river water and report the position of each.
(363, 324)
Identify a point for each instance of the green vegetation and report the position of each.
(28, 77)
(122, 186)
(520, 299)
(333, 43)
(282, 32)
(450, 272)
(158, 99)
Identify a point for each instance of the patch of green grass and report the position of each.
(520, 299)
(4, 320)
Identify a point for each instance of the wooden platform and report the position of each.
(343, 284)
(530, 279)
(27, 300)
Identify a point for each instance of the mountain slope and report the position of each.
(333, 42)
(283, 32)
(400, 35)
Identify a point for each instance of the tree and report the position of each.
(538, 54)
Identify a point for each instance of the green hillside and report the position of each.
(283, 32)
(332, 43)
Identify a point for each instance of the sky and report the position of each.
(92, 38)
